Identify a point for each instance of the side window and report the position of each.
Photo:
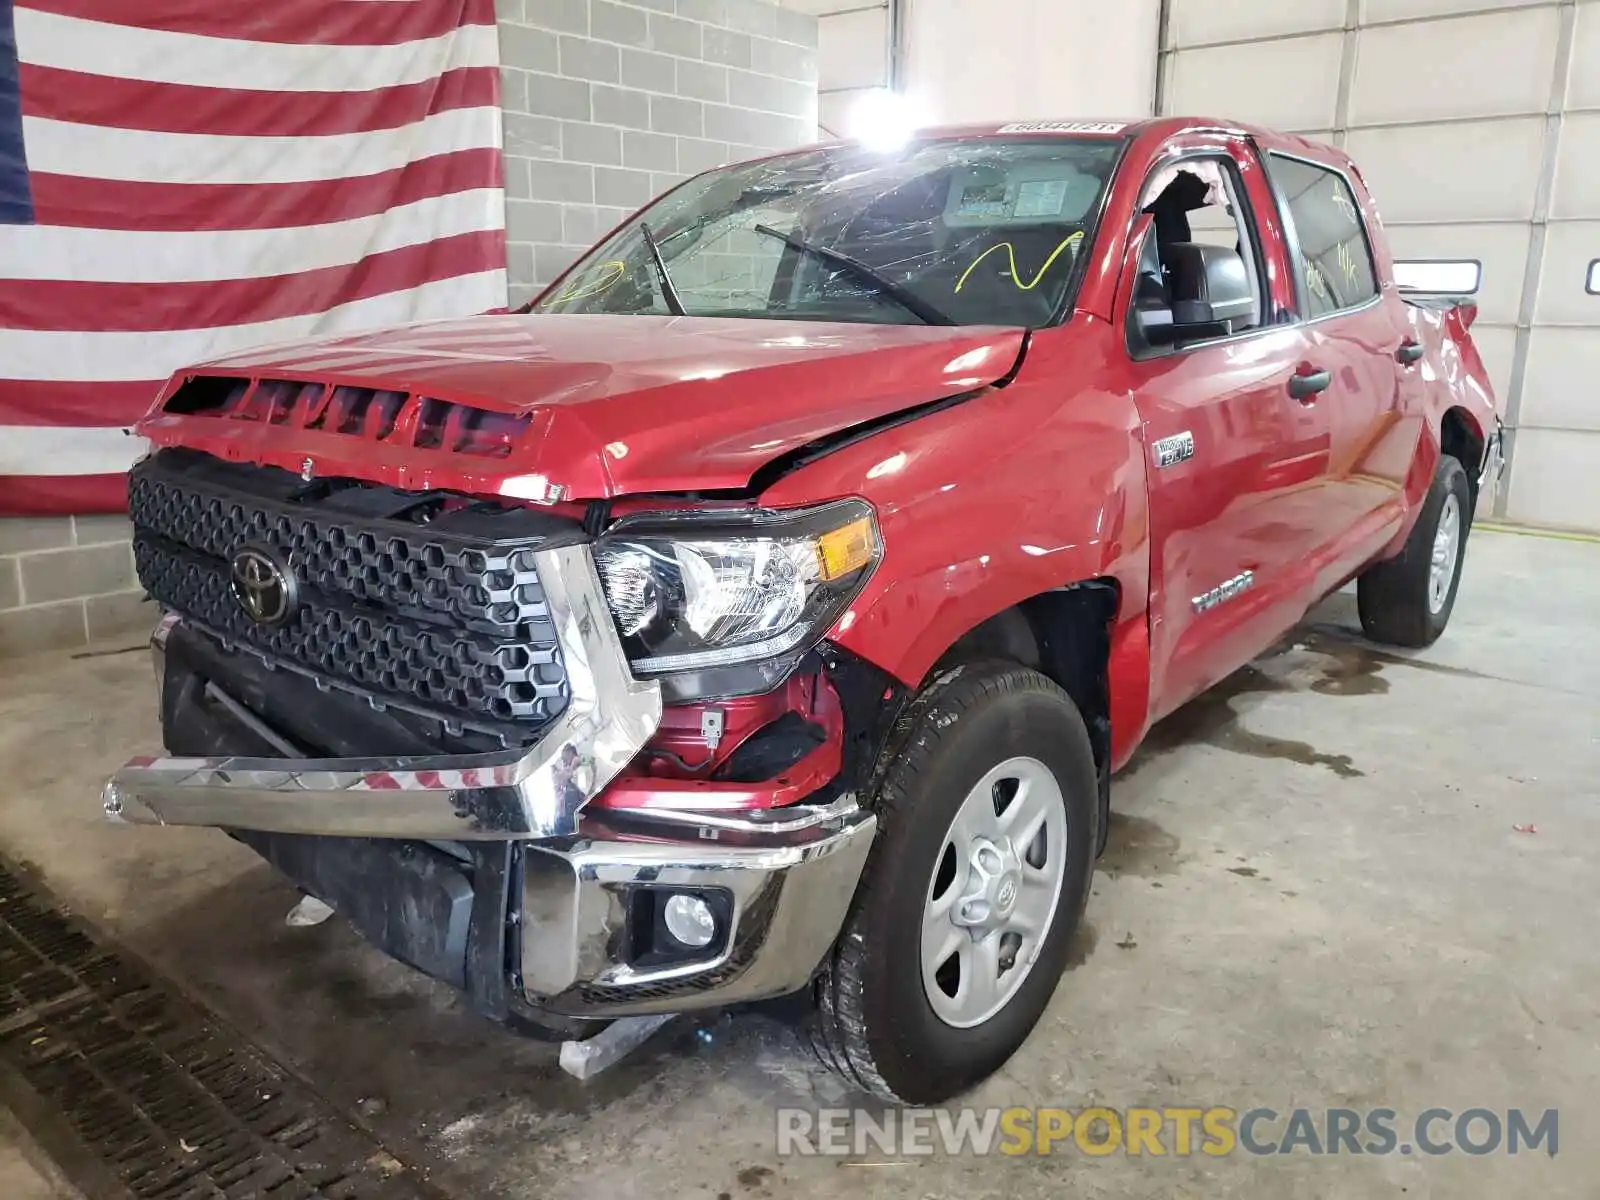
(1196, 202)
(1334, 260)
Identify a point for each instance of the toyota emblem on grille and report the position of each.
(264, 588)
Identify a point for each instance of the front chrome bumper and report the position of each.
(535, 792)
(783, 877)
(1494, 457)
(788, 884)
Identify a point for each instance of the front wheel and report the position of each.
(1407, 600)
(965, 914)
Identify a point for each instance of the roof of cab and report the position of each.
(1111, 127)
(1163, 127)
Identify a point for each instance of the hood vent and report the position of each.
(395, 418)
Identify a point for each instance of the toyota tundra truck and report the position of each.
(765, 609)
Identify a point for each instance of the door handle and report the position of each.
(1409, 352)
(1303, 387)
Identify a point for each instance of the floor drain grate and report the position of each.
(169, 1099)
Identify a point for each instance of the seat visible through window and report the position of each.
(1196, 203)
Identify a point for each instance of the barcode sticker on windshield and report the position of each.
(1064, 127)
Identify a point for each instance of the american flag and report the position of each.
(180, 179)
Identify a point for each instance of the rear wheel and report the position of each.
(963, 921)
(1407, 600)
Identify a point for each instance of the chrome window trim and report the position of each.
(1306, 323)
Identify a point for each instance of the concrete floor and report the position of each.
(20, 1179)
(1314, 896)
(25, 1172)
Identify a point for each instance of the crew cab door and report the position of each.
(1357, 332)
(1238, 466)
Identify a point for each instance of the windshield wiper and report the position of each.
(668, 292)
(908, 300)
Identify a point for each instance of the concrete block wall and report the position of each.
(610, 102)
(66, 581)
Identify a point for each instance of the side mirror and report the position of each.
(1155, 325)
(1211, 295)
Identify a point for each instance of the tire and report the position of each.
(876, 1022)
(1401, 601)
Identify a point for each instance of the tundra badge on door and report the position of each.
(1226, 590)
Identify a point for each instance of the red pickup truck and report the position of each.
(767, 610)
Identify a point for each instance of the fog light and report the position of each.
(689, 919)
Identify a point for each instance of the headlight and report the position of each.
(696, 591)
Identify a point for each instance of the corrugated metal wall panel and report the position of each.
(1477, 123)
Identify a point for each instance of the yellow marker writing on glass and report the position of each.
(606, 274)
(1011, 253)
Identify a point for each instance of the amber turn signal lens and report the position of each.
(847, 549)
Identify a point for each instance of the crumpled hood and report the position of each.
(617, 405)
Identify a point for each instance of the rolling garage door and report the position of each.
(853, 57)
(1477, 125)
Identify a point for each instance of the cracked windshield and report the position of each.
(948, 232)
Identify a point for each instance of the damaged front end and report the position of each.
(437, 730)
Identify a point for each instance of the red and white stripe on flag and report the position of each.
(208, 175)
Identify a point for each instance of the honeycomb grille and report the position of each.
(493, 589)
(449, 626)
